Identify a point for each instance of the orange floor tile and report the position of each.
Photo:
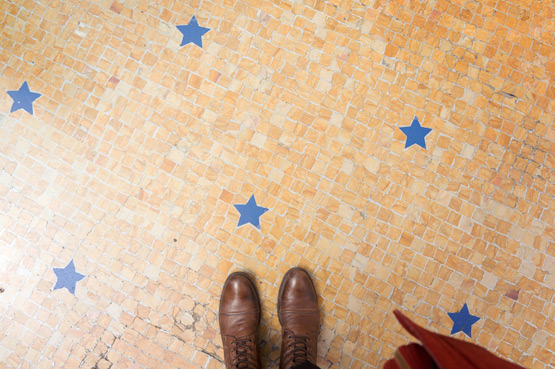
(133, 157)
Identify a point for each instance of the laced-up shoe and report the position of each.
(239, 316)
(299, 317)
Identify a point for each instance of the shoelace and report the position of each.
(299, 351)
(243, 358)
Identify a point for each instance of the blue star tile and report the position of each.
(415, 134)
(192, 32)
(67, 277)
(23, 98)
(462, 321)
(250, 213)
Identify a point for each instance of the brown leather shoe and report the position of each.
(239, 320)
(299, 317)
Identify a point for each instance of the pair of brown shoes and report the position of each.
(240, 317)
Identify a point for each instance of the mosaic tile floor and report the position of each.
(148, 149)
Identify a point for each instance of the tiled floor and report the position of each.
(138, 149)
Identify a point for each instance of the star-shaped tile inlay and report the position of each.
(67, 277)
(462, 321)
(192, 32)
(250, 212)
(415, 134)
(23, 98)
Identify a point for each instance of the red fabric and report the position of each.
(391, 364)
(452, 353)
(416, 356)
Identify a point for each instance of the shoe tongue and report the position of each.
(298, 348)
(244, 355)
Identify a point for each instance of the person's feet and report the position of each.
(239, 316)
(299, 317)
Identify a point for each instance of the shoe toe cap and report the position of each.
(239, 295)
(298, 291)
